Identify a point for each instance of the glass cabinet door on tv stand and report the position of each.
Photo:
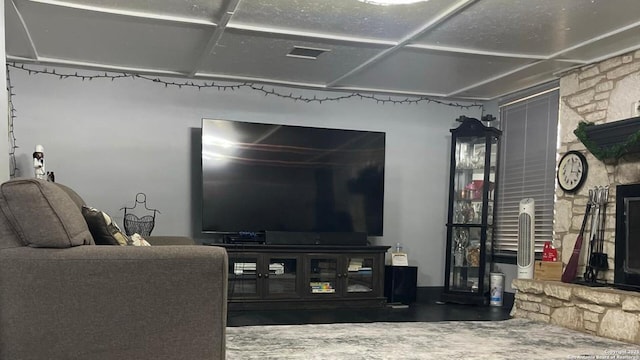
(348, 275)
(471, 210)
(256, 276)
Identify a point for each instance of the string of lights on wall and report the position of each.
(13, 167)
(265, 90)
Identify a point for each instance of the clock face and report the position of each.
(572, 171)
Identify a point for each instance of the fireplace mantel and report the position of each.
(609, 141)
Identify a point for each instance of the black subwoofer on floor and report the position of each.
(400, 284)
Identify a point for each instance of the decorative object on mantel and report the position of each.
(608, 142)
(140, 225)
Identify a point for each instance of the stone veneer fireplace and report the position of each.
(601, 311)
(598, 93)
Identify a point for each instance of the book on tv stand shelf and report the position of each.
(321, 287)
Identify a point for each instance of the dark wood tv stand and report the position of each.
(305, 276)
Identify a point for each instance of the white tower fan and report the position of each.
(526, 238)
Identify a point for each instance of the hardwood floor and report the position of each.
(425, 311)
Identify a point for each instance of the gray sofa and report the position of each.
(63, 297)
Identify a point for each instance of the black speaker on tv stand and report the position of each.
(316, 238)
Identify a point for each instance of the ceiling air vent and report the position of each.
(306, 52)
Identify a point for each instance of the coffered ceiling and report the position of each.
(475, 49)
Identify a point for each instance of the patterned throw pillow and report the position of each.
(104, 230)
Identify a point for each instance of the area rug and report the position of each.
(478, 340)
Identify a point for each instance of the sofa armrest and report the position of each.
(113, 302)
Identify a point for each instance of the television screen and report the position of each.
(267, 177)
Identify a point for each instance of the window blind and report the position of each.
(527, 168)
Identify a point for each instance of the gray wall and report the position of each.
(110, 140)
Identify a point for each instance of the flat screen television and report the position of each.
(265, 177)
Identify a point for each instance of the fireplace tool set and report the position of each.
(597, 211)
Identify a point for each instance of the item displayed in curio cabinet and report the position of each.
(475, 187)
(458, 255)
(461, 243)
(473, 255)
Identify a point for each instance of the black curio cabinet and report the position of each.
(471, 211)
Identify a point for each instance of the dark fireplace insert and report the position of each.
(627, 257)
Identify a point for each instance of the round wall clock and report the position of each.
(572, 171)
